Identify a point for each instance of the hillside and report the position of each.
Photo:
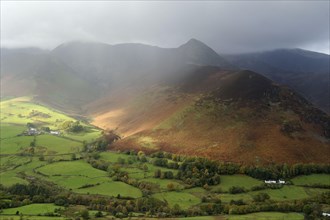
(306, 72)
(234, 116)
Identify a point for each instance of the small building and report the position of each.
(274, 182)
(270, 181)
(326, 214)
(54, 132)
(281, 181)
(32, 131)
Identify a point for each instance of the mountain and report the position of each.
(238, 116)
(305, 71)
(187, 100)
(26, 72)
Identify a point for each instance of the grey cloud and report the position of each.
(228, 27)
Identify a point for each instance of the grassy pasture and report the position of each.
(18, 111)
(9, 178)
(134, 172)
(91, 135)
(312, 179)
(267, 216)
(226, 197)
(32, 209)
(198, 218)
(12, 161)
(185, 200)
(228, 181)
(58, 144)
(285, 193)
(112, 157)
(112, 189)
(74, 182)
(10, 130)
(15, 145)
(17, 217)
(72, 168)
(164, 182)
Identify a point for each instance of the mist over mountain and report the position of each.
(307, 72)
(188, 100)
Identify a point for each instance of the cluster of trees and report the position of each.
(163, 174)
(195, 166)
(101, 144)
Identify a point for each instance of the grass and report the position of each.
(323, 179)
(228, 181)
(12, 161)
(89, 136)
(164, 182)
(285, 193)
(267, 216)
(33, 209)
(72, 168)
(113, 157)
(183, 199)
(18, 111)
(58, 144)
(74, 182)
(226, 198)
(10, 178)
(10, 130)
(112, 189)
(15, 145)
(16, 217)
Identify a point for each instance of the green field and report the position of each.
(15, 217)
(16, 113)
(268, 216)
(15, 145)
(184, 200)
(75, 182)
(228, 181)
(163, 183)
(10, 130)
(33, 209)
(113, 157)
(57, 144)
(285, 193)
(113, 189)
(10, 178)
(71, 168)
(323, 179)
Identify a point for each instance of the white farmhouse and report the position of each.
(54, 132)
(326, 214)
(270, 181)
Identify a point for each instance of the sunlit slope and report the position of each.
(17, 113)
(238, 116)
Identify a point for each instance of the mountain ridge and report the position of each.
(187, 100)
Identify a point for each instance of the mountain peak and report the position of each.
(194, 43)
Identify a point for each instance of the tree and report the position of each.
(261, 197)
(85, 214)
(98, 214)
(157, 173)
(170, 186)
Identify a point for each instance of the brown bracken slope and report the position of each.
(232, 116)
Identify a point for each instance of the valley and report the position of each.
(74, 178)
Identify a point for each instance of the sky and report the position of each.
(226, 26)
